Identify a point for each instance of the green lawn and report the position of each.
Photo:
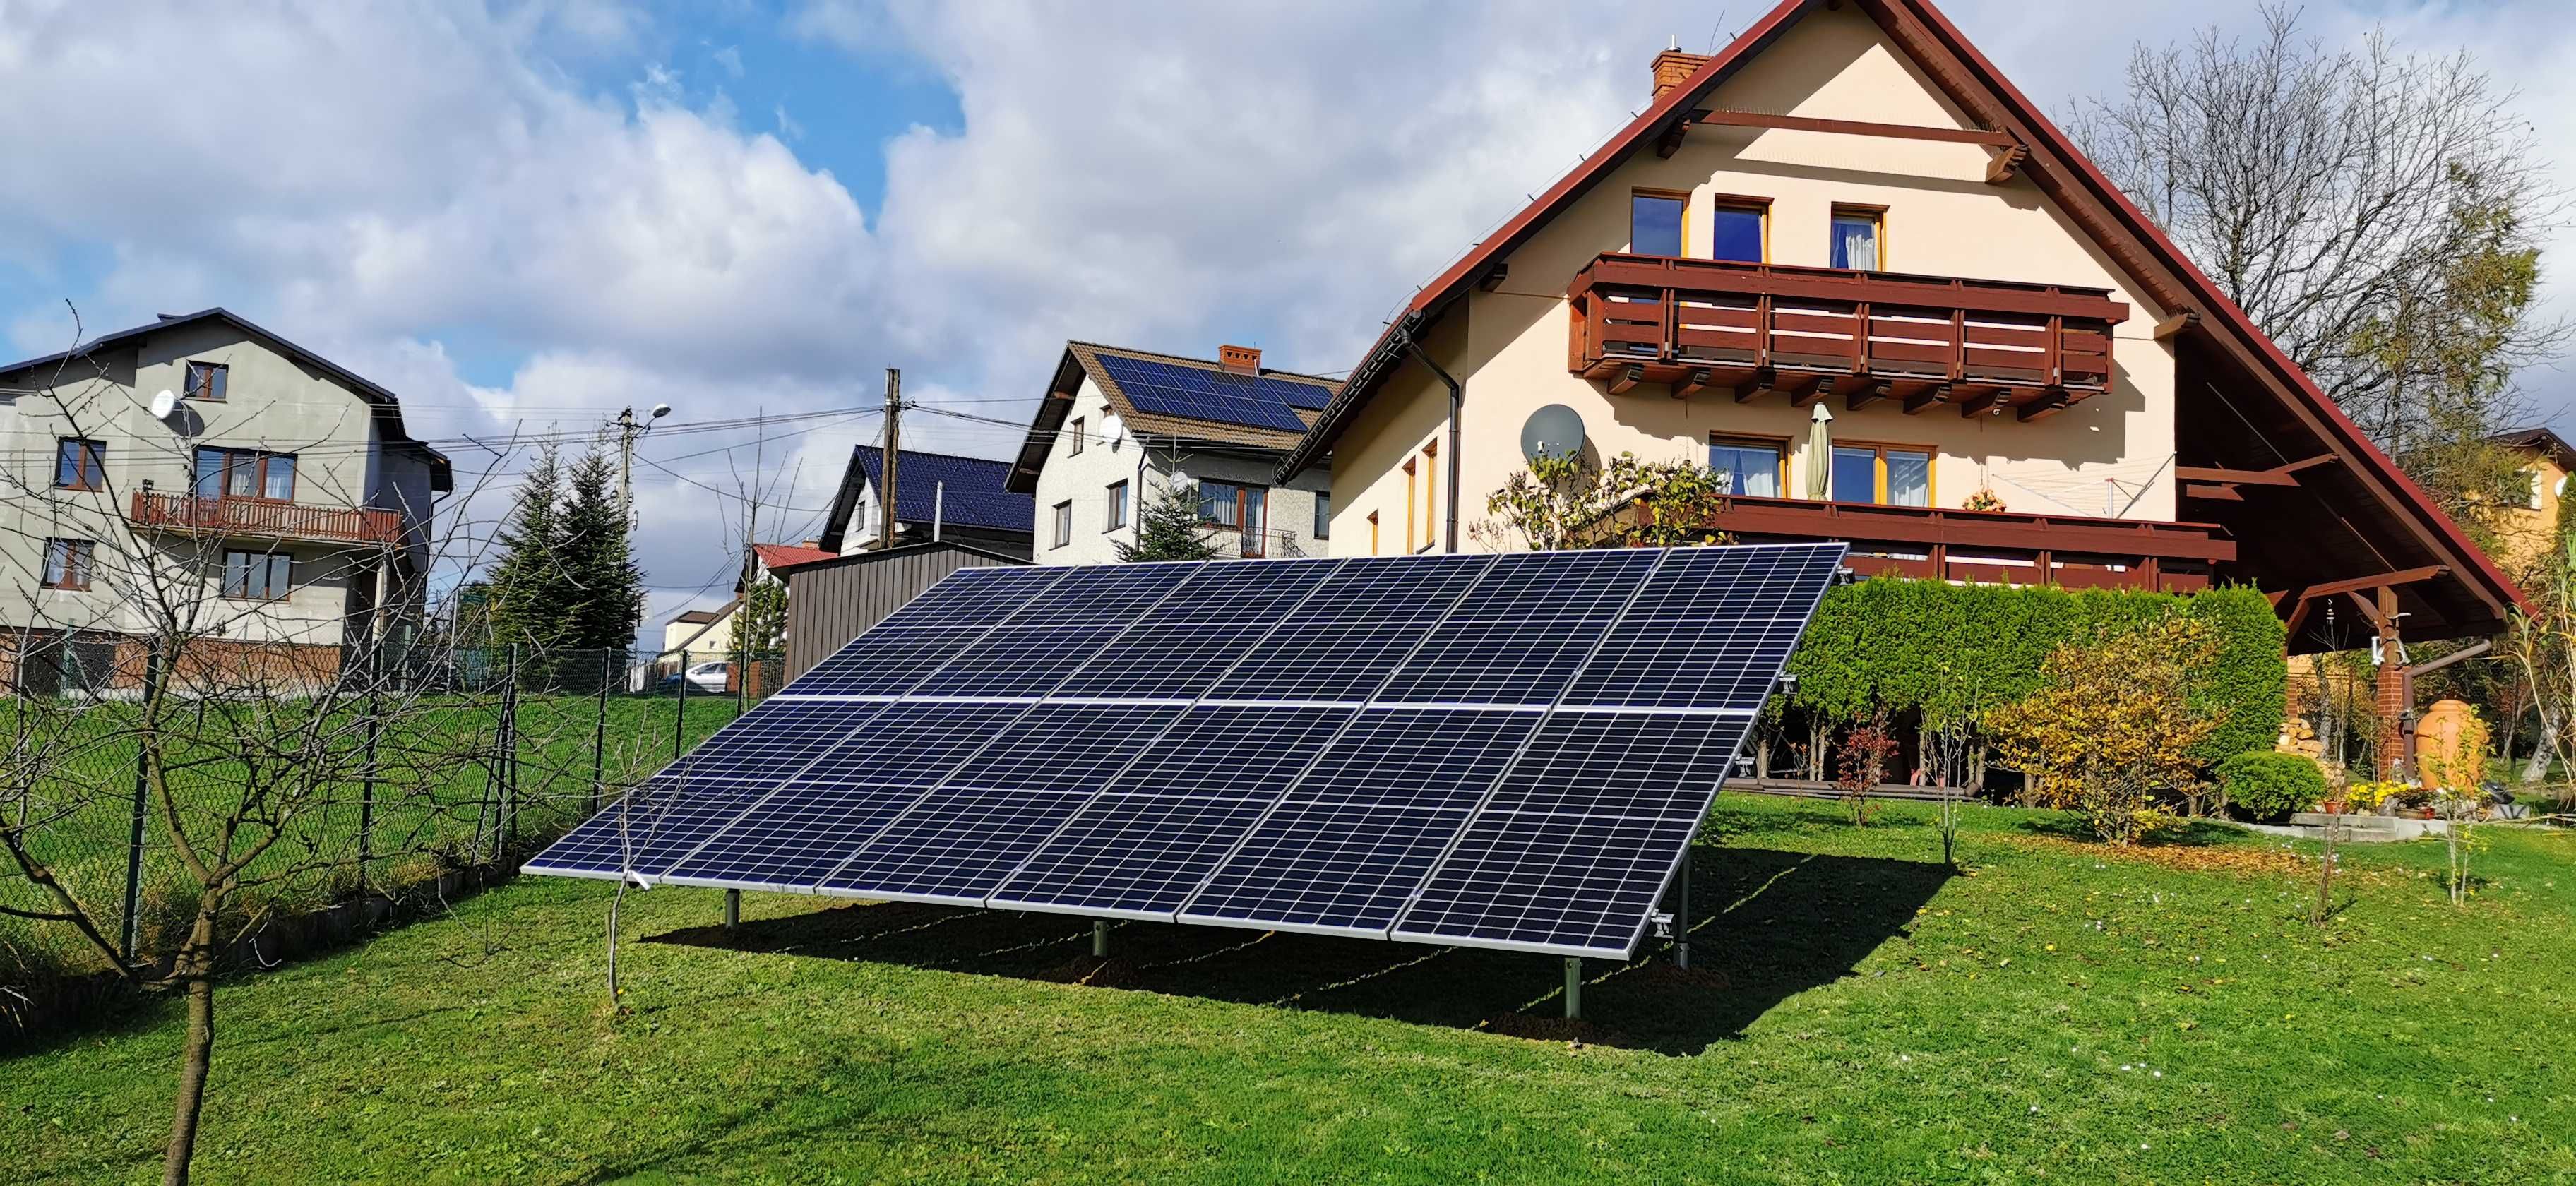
(436, 759)
(1857, 1014)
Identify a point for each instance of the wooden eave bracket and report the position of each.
(1691, 384)
(1493, 279)
(1670, 141)
(2204, 481)
(1627, 379)
(2169, 328)
(1927, 399)
(2006, 164)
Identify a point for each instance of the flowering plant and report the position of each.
(2362, 797)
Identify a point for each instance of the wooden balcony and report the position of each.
(266, 519)
(1982, 346)
(1991, 547)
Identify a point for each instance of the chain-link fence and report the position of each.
(420, 767)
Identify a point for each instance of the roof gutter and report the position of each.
(1457, 403)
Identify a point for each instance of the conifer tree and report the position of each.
(599, 558)
(760, 626)
(1168, 527)
(530, 586)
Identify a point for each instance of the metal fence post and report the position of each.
(367, 780)
(680, 717)
(599, 736)
(133, 937)
(510, 754)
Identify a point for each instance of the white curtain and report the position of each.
(1855, 245)
(1909, 479)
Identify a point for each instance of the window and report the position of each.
(1740, 231)
(1896, 475)
(1857, 241)
(67, 563)
(1323, 515)
(1064, 523)
(1238, 506)
(1117, 506)
(245, 473)
(2538, 480)
(258, 575)
(1655, 222)
(1405, 540)
(1749, 466)
(1076, 429)
(79, 464)
(206, 380)
(1430, 498)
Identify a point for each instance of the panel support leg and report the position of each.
(1100, 938)
(1574, 986)
(1682, 912)
(733, 909)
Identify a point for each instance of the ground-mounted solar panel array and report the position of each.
(1176, 389)
(1503, 751)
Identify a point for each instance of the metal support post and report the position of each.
(1100, 938)
(1574, 986)
(367, 779)
(733, 909)
(1682, 912)
(680, 716)
(599, 734)
(132, 940)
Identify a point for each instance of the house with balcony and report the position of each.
(1117, 424)
(1847, 264)
(278, 516)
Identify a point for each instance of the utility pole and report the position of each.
(628, 428)
(893, 453)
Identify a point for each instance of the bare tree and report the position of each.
(2378, 213)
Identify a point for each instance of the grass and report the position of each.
(435, 758)
(1855, 1013)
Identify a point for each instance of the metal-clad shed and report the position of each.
(830, 602)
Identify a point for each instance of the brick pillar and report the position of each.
(2394, 761)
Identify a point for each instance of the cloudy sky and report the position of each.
(529, 215)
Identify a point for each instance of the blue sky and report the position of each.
(524, 215)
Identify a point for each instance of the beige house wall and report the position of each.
(2109, 455)
(2525, 530)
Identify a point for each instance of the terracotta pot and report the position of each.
(2331, 807)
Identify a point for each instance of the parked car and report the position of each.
(714, 675)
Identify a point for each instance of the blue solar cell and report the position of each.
(1197, 632)
(1015, 661)
(647, 828)
(805, 829)
(975, 596)
(1518, 636)
(1711, 628)
(1359, 831)
(1154, 834)
(1356, 627)
(1173, 389)
(882, 662)
(1575, 844)
(773, 740)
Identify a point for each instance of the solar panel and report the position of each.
(1508, 751)
(1200, 394)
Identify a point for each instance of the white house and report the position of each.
(279, 504)
(1116, 423)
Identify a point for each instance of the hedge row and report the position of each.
(1954, 651)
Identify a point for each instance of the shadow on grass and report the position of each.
(1769, 925)
(2189, 833)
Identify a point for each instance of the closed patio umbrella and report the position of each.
(1820, 453)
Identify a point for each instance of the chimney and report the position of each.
(1239, 360)
(1673, 66)
(813, 545)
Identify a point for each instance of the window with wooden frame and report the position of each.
(1658, 222)
(1074, 430)
(245, 473)
(67, 563)
(1750, 465)
(1430, 495)
(1405, 541)
(1323, 515)
(1239, 507)
(207, 380)
(1117, 506)
(1891, 475)
(258, 576)
(1859, 238)
(79, 464)
(1739, 229)
(1063, 523)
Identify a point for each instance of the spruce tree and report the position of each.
(760, 625)
(599, 558)
(530, 587)
(1168, 527)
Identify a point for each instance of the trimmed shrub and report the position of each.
(2264, 785)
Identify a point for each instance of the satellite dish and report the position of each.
(2562, 484)
(1552, 431)
(1112, 429)
(164, 402)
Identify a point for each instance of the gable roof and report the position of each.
(963, 491)
(1082, 360)
(777, 556)
(2068, 178)
(387, 406)
(2540, 438)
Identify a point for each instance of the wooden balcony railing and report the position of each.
(1983, 346)
(261, 518)
(1991, 547)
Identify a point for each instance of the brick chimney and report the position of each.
(1239, 360)
(1673, 66)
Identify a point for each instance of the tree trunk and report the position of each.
(2538, 767)
(1816, 736)
(197, 967)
